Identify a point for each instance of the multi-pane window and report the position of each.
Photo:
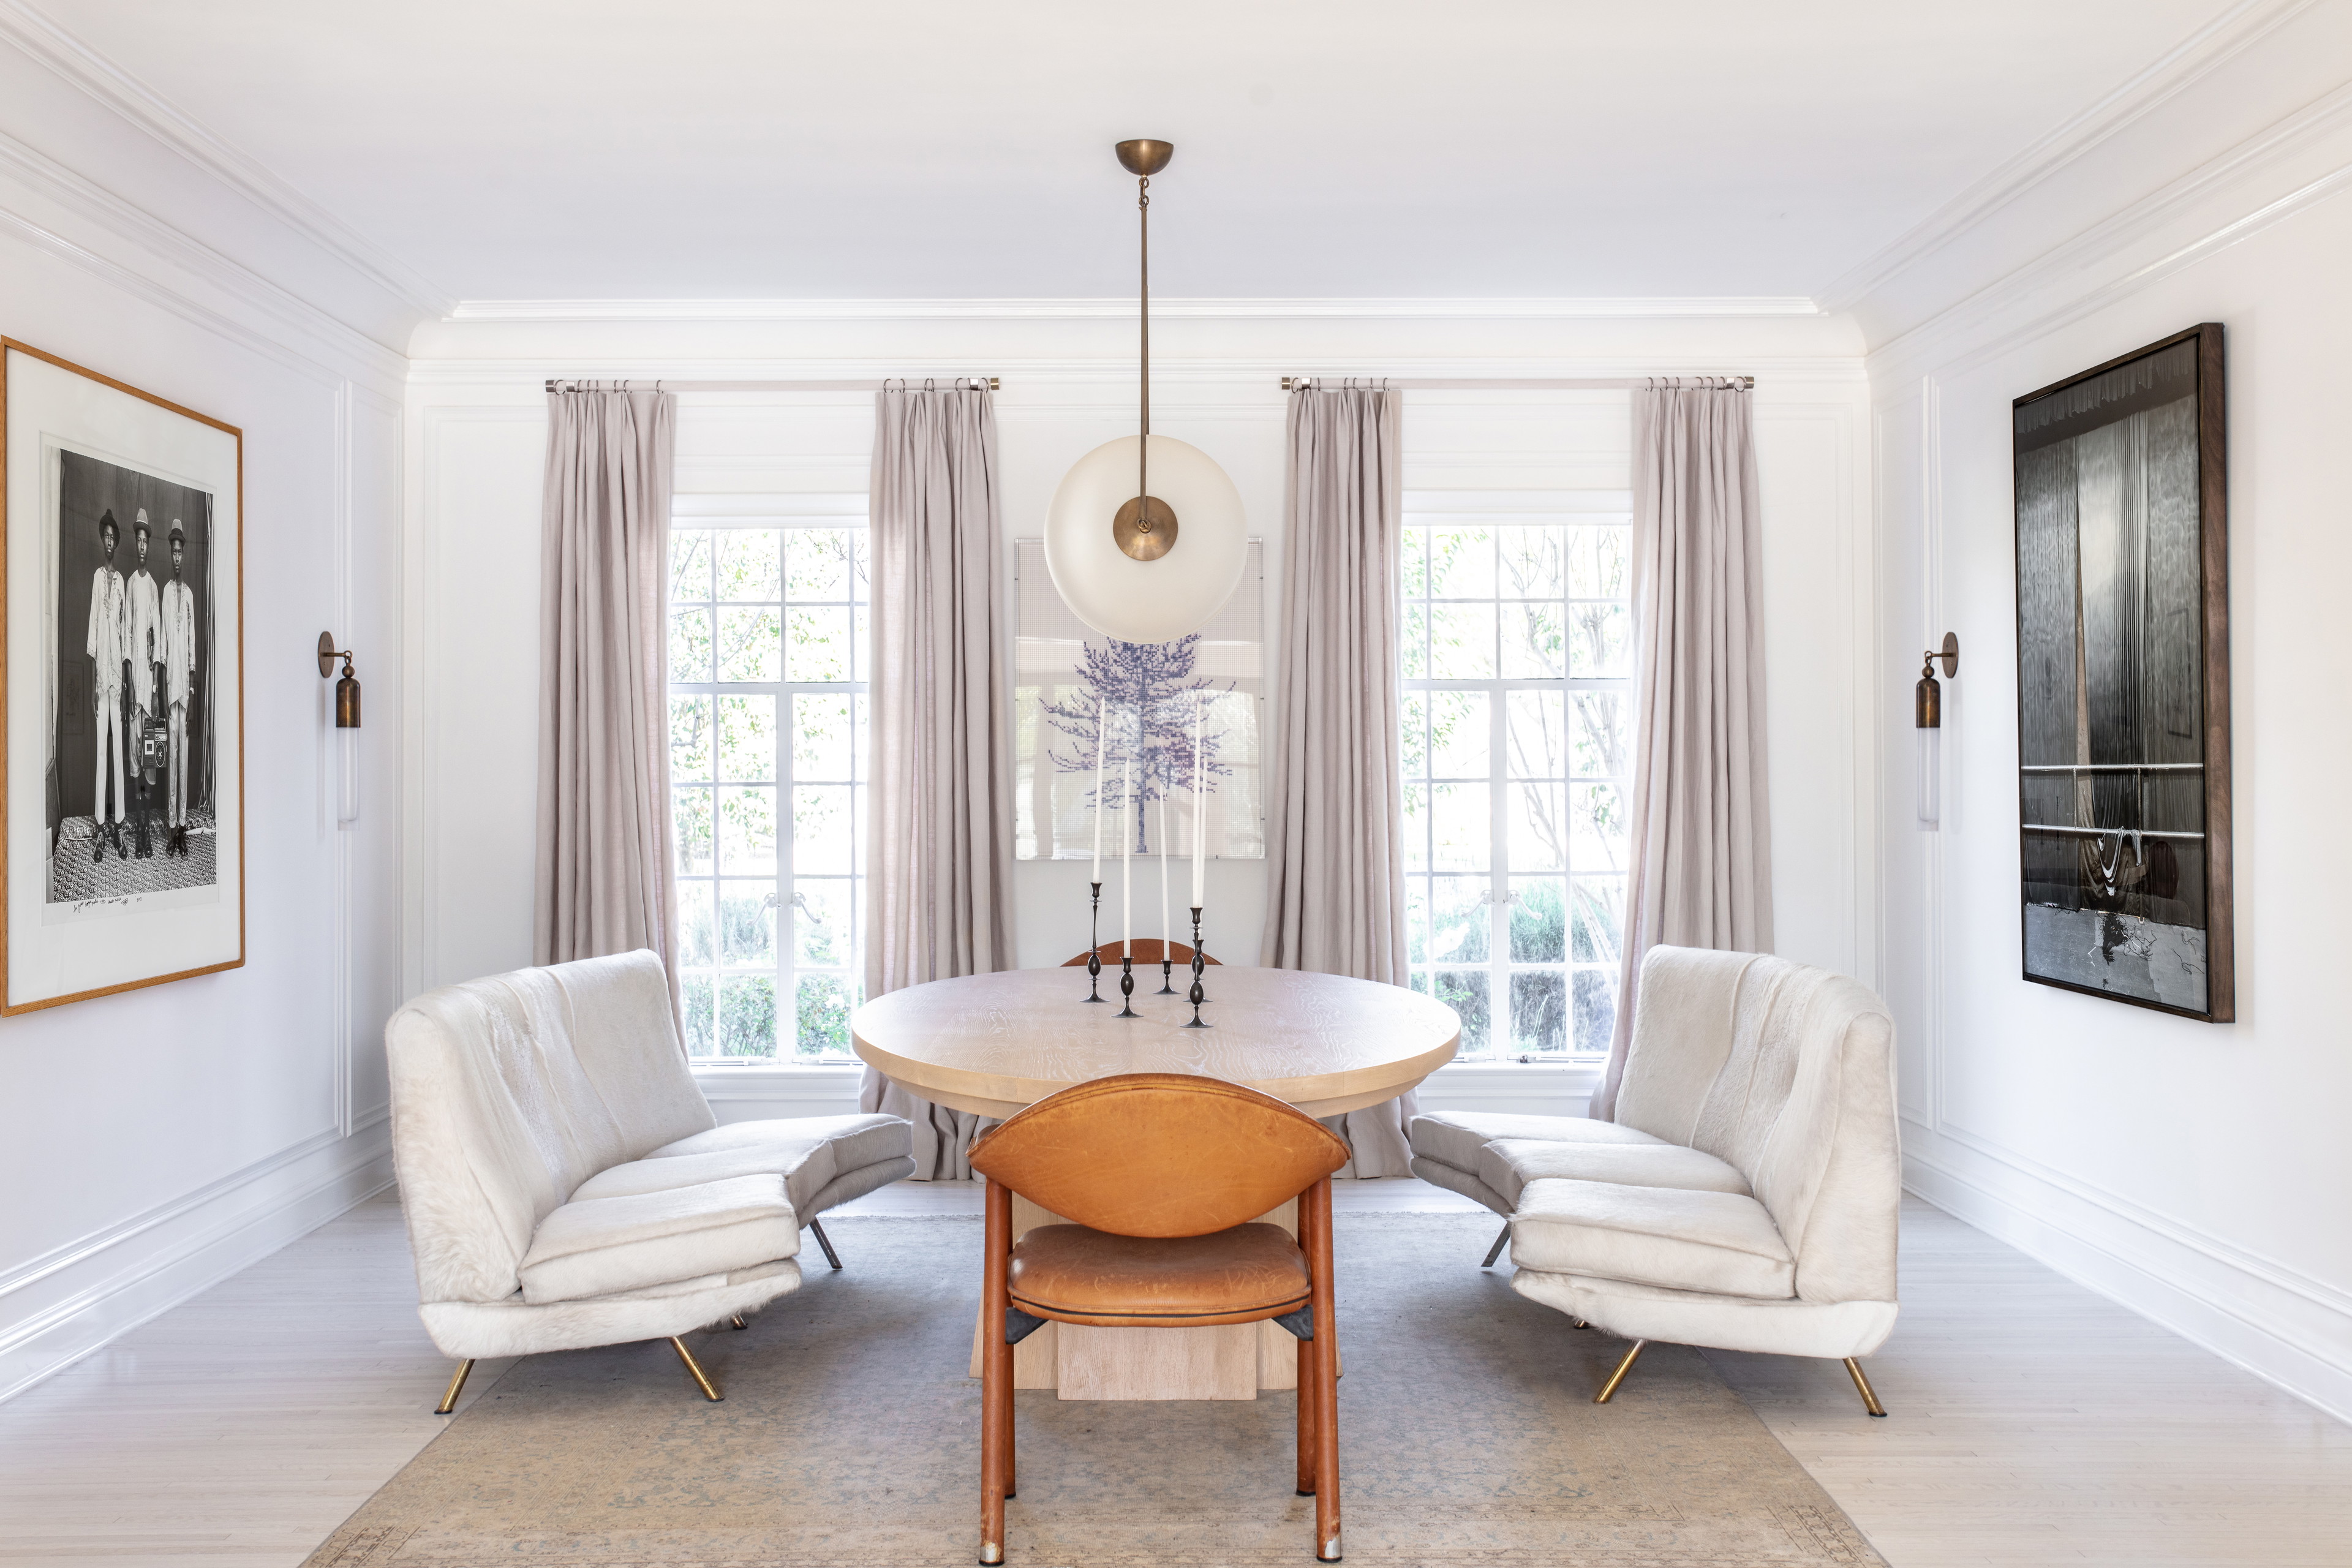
(1517, 645)
(767, 655)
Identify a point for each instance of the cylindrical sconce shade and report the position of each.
(1931, 774)
(347, 761)
(1927, 721)
(347, 731)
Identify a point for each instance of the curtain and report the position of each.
(1702, 850)
(938, 855)
(1335, 818)
(605, 878)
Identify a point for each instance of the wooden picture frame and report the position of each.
(122, 787)
(2123, 642)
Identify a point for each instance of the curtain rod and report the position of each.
(1510, 384)
(892, 383)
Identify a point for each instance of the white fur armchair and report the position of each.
(1746, 1197)
(565, 1184)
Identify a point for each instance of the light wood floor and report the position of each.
(2034, 1422)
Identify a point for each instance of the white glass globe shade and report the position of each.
(1146, 601)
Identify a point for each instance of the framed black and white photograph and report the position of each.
(2123, 665)
(122, 786)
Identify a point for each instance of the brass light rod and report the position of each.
(893, 384)
(1504, 383)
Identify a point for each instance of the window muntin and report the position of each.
(1517, 631)
(767, 683)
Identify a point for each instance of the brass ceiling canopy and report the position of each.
(1144, 157)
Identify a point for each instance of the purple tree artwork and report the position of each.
(1151, 694)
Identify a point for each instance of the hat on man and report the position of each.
(177, 537)
(140, 526)
(107, 520)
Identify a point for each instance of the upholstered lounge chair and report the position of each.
(566, 1184)
(1746, 1196)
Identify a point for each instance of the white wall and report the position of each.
(154, 1142)
(477, 423)
(2195, 1170)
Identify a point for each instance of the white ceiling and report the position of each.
(590, 149)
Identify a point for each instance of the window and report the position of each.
(1515, 715)
(767, 657)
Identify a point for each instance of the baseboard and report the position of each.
(2293, 1332)
(76, 1299)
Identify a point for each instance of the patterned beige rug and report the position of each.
(849, 1438)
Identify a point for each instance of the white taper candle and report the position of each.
(1127, 875)
(1167, 925)
(1199, 803)
(1102, 728)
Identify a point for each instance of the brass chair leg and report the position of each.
(1618, 1376)
(831, 1257)
(457, 1386)
(1497, 1250)
(1578, 1324)
(702, 1379)
(1316, 1202)
(737, 1323)
(996, 1430)
(1862, 1386)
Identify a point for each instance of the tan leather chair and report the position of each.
(1162, 1172)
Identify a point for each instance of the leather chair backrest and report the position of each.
(1785, 1072)
(1147, 950)
(509, 1092)
(1159, 1155)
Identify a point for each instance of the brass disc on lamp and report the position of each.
(1145, 528)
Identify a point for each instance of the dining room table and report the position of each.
(994, 1044)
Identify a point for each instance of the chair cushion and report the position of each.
(597, 1246)
(1508, 1164)
(1082, 1276)
(809, 1152)
(1455, 1137)
(1680, 1240)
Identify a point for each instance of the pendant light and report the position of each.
(1146, 539)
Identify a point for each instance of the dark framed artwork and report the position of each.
(2123, 680)
(121, 712)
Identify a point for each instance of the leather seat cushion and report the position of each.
(1455, 1137)
(1081, 1276)
(1680, 1240)
(600, 1246)
(1508, 1164)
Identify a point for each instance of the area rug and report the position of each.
(849, 1438)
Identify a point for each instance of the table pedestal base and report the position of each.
(1229, 1363)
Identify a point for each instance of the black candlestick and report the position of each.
(1126, 985)
(1094, 950)
(1167, 969)
(1200, 962)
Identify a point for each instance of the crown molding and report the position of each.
(84, 67)
(664, 311)
(47, 177)
(2196, 55)
(2072, 259)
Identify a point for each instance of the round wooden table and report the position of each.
(995, 1044)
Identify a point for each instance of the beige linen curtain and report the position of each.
(605, 881)
(939, 846)
(1335, 818)
(1702, 849)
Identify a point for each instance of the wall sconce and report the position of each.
(1927, 717)
(347, 728)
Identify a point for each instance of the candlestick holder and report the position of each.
(1167, 969)
(1126, 985)
(1094, 950)
(1200, 963)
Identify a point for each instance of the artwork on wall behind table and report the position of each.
(122, 783)
(1067, 678)
(2122, 656)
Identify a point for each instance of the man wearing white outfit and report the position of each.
(179, 655)
(108, 647)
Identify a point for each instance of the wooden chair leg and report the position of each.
(1327, 1379)
(1306, 1400)
(995, 1376)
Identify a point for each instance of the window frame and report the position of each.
(783, 515)
(1427, 510)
